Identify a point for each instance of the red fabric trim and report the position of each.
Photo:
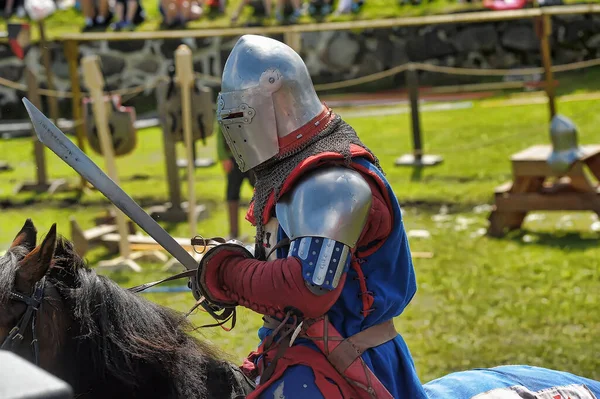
(386, 196)
(306, 132)
(298, 171)
(366, 296)
(302, 355)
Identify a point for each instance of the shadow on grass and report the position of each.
(566, 240)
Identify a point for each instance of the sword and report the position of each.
(53, 138)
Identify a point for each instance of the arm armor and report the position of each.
(324, 216)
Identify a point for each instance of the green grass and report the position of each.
(531, 297)
(71, 21)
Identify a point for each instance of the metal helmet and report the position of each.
(266, 94)
(565, 149)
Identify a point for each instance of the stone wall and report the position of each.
(330, 56)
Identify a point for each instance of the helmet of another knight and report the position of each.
(266, 96)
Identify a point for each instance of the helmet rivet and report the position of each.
(271, 80)
(245, 119)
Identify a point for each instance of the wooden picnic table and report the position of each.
(536, 187)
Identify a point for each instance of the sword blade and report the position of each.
(53, 138)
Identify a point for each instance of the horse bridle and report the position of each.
(34, 303)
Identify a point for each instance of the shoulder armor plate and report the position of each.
(331, 202)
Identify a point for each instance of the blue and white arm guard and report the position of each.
(324, 216)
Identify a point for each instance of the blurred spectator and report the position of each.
(284, 9)
(288, 9)
(319, 7)
(129, 13)
(348, 6)
(215, 6)
(260, 9)
(176, 13)
(97, 14)
(9, 7)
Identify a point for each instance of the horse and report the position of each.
(103, 340)
(107, 342)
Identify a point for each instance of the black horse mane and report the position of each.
(121, 345)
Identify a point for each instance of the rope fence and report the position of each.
(133, 91)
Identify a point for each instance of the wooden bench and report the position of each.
(536, 187)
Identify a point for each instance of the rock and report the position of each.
(204, 42)
(111, 65)
(594, 41)
(371, 44)
(311, 40)
(398, 55)
(199, 66)
(577, 31)
(449, 61)
(566, 56)
(341, 51)
(475, 60)
(502, 59)
(12, 72)
(521, 38)
(127, 46)
(430, 45)
(476, 38)
(388, 54)
(148, 65)
(368, 65)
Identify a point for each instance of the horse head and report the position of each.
(33, 320)
(103, 340)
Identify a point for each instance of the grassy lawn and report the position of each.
(531, 297)
(71, 21)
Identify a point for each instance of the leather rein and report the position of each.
(16, 335)
(221, 315)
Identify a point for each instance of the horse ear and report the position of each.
(26, 237)
(35, 265)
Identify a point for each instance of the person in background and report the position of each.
(129, 13)
(288, 8)
(97, 14)
(261, 9)
(235, 178)
(9, 7)
(215, 6)
(349, 6)
(176, 13)
(319, 7)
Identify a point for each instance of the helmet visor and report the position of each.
(247, 120)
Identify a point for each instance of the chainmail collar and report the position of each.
(336, 136)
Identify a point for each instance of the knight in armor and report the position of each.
(331, 266)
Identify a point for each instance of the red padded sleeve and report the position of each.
(267, 287)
